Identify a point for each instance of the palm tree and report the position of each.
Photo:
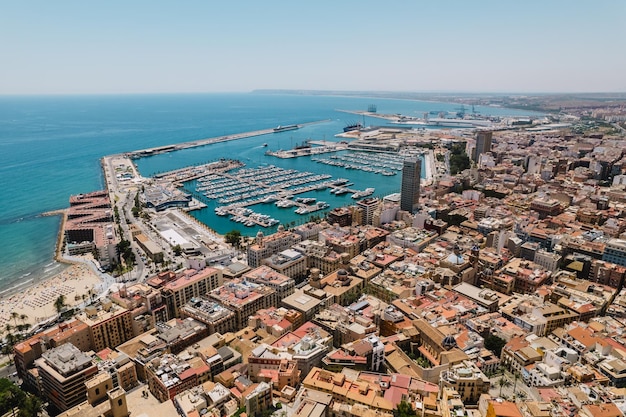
(503, 382)
(59, 303)
(516, 375)
(23, 318)
(15, 315)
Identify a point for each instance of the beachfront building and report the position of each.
(266, 246)
(63, 372)
(89, 227)
(109, 324)
(191, 283)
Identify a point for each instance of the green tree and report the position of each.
(59, 303)
(177, 250)
(12, 398)
(15, 315)
(31, 407)
(459, 160)
(233, 237)
(494, 344)
(126, 252)
(503, 382)
(404, 409)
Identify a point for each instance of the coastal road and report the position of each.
(7, 372)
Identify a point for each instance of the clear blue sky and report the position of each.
(208, 46)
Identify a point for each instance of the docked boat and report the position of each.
(285, 203)
(364, 193)
(320, 205)
(305, 200)
(285, 128)
(352, 126)
(339, 181)
(221, 211)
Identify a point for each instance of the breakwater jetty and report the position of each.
(208, 141)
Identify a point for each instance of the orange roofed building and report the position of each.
(89, 227)
(26, 352)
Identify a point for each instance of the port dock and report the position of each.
(320, 148)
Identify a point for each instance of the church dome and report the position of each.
(448, 342)
(455, 259)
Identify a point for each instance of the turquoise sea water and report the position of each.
(50, 148)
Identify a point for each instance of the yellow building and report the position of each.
(109, 324)
(190, 284)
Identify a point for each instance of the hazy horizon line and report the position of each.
(317, 92)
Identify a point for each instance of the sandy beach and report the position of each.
(37, 301)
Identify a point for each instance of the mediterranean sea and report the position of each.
(50, 148)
